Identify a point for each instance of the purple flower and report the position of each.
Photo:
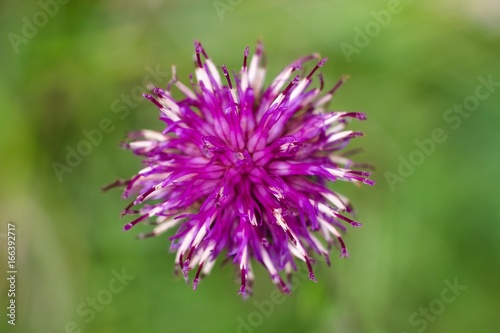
(243, 171)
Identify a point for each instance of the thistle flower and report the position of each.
(244, 170)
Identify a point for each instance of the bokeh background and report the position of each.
(438, 223)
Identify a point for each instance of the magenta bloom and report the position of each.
(243, 171)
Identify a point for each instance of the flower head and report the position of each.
(243, 170)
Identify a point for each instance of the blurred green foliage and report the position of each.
(439, 223)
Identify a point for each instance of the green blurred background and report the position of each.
(440, 222)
